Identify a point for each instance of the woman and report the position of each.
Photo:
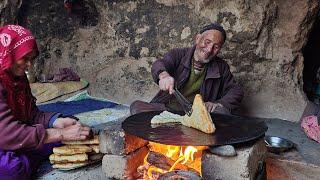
(24, 130)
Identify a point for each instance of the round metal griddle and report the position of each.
(229, 130)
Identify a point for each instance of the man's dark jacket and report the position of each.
(218, 87)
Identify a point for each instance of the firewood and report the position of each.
(163, 162)
(178, 174)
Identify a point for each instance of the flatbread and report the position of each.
(55, 158)
(94, 140)
(166, 117)
(69, 166)
(71, 149)
(95, 148)
(200, 117)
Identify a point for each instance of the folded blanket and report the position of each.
(76, 107)
(47, 91)
(311, 127)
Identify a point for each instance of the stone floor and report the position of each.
(93, 172)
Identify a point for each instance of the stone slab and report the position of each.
(290, 165)
(244, 166)
(113, 140)
(84, 173)
(123, 167)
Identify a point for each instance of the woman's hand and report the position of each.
(61, 123)
(72, 132)
(75, 132)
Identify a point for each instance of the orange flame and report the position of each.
(154, 169)
(172, 150)
(187, 155)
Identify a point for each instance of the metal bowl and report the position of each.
(277, 144)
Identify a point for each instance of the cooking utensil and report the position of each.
(184, 102)
(278, 144)
(229, 130)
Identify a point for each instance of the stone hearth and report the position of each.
(124, 153)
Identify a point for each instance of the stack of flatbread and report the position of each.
(200, 118)
(74, 154)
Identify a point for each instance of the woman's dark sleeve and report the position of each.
(19, 136)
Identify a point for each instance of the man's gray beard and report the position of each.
(205, 61)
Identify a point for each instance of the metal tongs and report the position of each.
(184, 102)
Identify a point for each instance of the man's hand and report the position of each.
(212, 106)
(61, 123)
(166, 82)
(75, 132)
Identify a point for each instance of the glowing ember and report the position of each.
(154, 170)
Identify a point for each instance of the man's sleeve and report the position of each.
(232, 93)
(169, 63)
(15, 135)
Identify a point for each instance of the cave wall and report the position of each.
(9, 10)
(112, 44)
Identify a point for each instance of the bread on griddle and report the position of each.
(200, 117)
(166, 117)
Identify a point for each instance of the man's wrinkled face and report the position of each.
(208, 45)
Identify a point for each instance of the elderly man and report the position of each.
(194, 70)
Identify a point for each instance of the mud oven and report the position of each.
(130, 157)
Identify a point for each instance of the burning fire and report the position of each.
(180, 157)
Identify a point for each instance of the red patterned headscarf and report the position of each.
(15, 43)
